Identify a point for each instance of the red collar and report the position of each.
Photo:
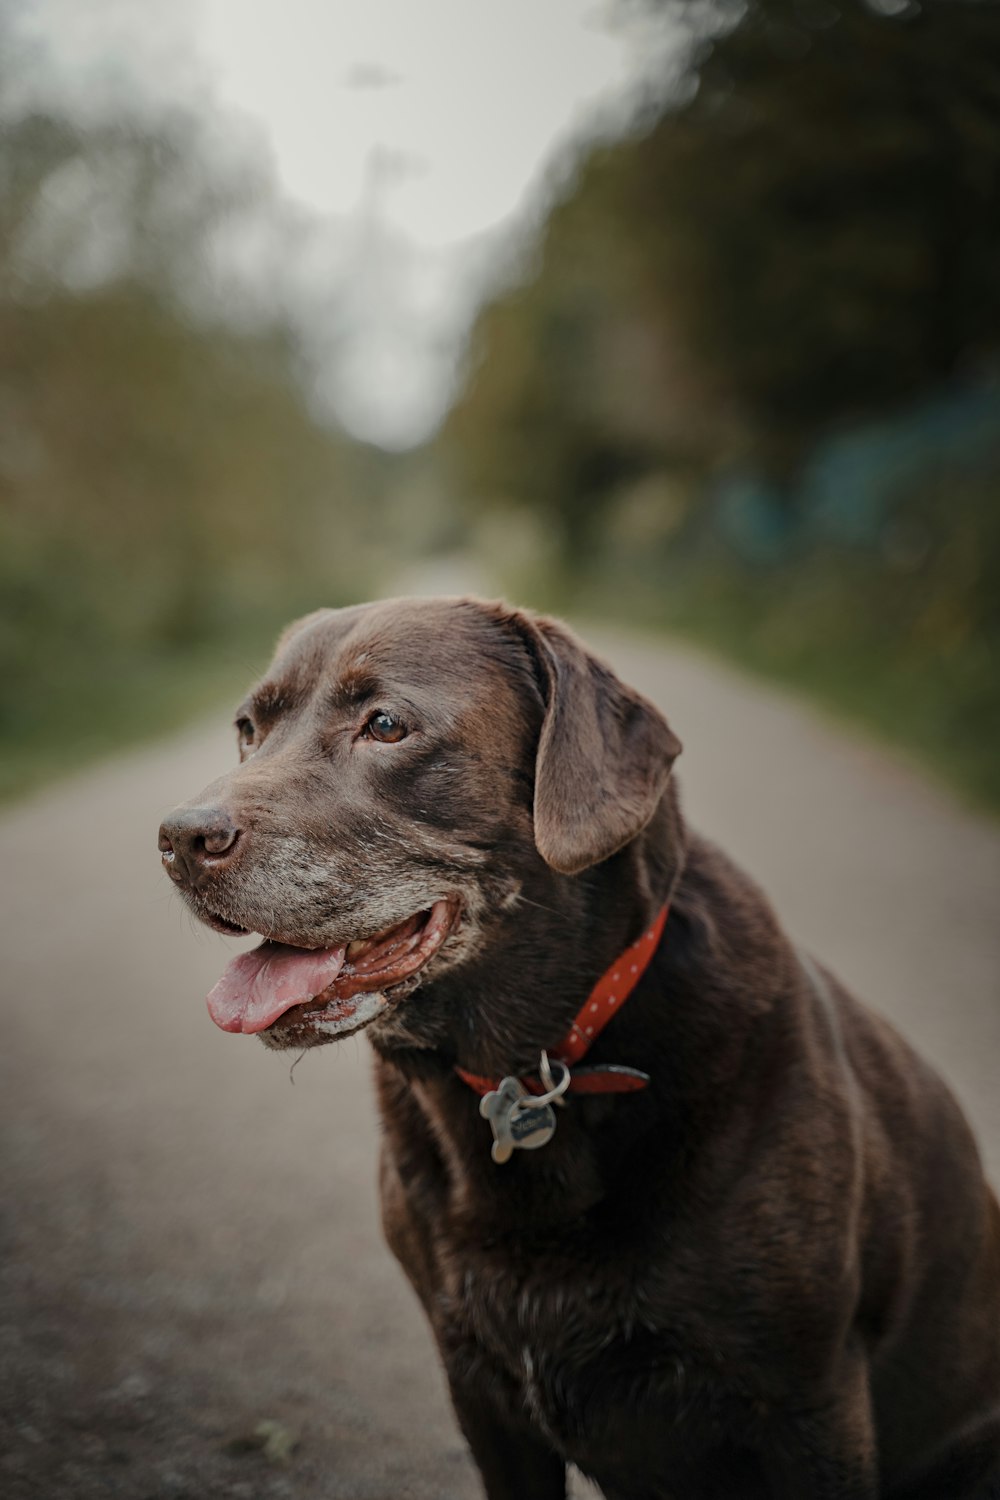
(605, 1000)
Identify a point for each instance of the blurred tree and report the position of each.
(747, 372)
(802, 234)
(163, 483)
(821, 217)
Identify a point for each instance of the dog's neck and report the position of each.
(521, 992)
(689, 1023)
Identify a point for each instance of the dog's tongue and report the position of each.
(261, 985)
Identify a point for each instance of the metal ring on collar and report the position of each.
(555, 1090)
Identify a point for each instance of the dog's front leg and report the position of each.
(514, 1462)
(826, 1452)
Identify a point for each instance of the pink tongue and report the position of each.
(261, 985)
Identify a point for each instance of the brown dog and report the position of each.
(757, 1257)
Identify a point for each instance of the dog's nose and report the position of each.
(194, 839)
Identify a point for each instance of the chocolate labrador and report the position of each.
(679, 1209)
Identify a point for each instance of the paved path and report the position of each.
(190, 1244)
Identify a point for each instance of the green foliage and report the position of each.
(165, 492)
(808, 237)
(904, 638)
(820, 218)
(798, 238)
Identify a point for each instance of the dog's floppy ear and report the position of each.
(604, 755)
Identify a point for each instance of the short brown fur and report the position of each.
(775, 1272)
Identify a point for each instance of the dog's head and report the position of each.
(415, 776)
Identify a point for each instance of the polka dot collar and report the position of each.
(604, 1001)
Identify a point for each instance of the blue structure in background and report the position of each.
(848, 487)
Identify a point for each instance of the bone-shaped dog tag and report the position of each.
(517, 1121)
(496, 1107)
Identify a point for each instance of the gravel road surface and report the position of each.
(194, 1297)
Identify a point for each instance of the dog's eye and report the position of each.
(385, 727)
(246, 736)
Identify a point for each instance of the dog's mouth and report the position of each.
(333, 991)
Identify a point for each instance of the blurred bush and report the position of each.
(749, 367)
(166, 496)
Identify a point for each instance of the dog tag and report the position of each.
(532, 1125)
(517, 1121)
(496, 1107)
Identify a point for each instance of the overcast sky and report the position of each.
(418, 127)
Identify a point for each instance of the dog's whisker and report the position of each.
(530, 901)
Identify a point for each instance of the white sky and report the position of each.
(464, 98)
(416, 125)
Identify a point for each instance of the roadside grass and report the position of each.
(919, 669)
(927, 685)
(73, 715)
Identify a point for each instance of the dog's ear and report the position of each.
(604, 755)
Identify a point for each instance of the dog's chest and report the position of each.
(596, 1327)
(591, 1362)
